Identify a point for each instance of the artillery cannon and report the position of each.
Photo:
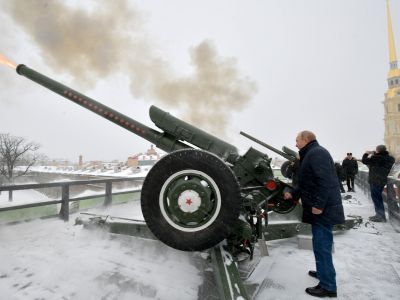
(289, 168)
(203, 191)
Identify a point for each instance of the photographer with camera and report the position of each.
(379, 163)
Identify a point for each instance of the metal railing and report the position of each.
(361, 180)
(65, 193)
(391, 196)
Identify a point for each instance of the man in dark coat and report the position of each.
(379, 163)
(350, 167)
(318, 188)
(341, 175)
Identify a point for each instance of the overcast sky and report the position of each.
(269, 68)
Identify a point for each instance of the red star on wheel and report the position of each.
(189, 201)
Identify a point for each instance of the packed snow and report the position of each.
(366, 258)
(21, 197)
(113, 172)
(50, 259)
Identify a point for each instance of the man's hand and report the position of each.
(316, 211)
(287, 196)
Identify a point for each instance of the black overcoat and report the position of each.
(379, 167)
(350, 166)
(319, 186)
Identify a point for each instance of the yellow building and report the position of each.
(392, 97)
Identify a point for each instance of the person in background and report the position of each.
(379, 163)
(341, 175)
(350, 167)
(318, 188)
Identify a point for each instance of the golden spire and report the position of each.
(394, 71)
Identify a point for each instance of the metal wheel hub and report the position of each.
(189, 201)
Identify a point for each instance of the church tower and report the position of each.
(392, 96)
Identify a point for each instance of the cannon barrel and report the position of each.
(175, 130)
(287, 153)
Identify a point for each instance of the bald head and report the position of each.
(304, 137)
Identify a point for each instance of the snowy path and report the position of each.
(367, 262)
(50, 259)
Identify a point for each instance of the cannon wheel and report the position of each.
(190, 200)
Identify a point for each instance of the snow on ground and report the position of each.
(21, 197)
(367, 262)
(124, 172)
(131, 210)
(50, 259)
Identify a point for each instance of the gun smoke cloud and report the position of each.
(101, 40)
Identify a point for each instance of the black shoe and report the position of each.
(377, 219)
(313, 274)
(318, 291)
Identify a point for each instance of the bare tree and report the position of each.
(16, 151)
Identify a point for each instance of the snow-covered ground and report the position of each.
(124, 172)
(366, 258)
(21, 197)
(50, 259)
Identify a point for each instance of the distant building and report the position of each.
(59, 162)
(148, 159)
(133, 161)
(151, 151)
(392, 97)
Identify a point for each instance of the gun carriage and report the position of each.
(203, 191)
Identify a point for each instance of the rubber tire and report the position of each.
(224, 178)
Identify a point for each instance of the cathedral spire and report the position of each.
(392, 47)
(392, 96)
